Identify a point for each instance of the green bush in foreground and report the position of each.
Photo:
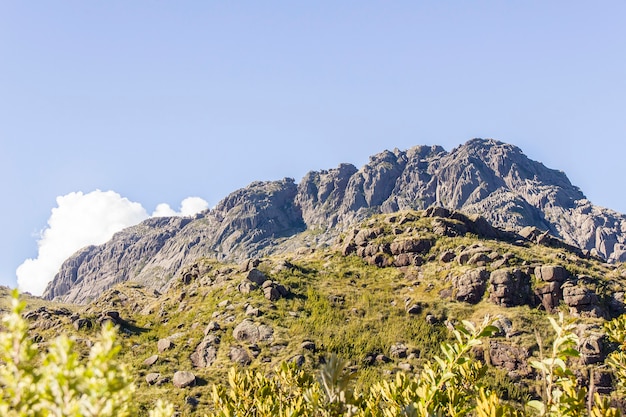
(55, 382)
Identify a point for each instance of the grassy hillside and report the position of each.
(383, 298)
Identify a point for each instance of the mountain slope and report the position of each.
(383, 298)
(483, 176)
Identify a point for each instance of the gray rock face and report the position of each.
(483, 176)
(245, 223)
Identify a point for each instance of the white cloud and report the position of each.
(80, 220)
(188, 207)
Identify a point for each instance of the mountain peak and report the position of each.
(483, 176)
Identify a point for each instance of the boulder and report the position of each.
(383, 358)
(414, 309)
(431, 319)
(462, 258)
(213, 326)
(246, 287)
(603, 384)
(256, 276)
(249, 264)
(206, 351)
(112, 317)
(550, 273)
(239, 356)
(274, 291)
(365, 235)
(189, 274)
(380, 260)
(413, 245)
(271, 293)
(513, 359)
(582, 301)
(479, 259)
(471, 285)
(509, 288)
(152, 377)
(83, 323)
(474, 253)
(592, 348)
(616, 304)
(578, 295)
(550, 295)
(183, 379)
(164, 344)
(405, 366)
(447, 256)
(505, 327)
(308, 345)
(151, 360)
(299, 360)
(449, 228)
(398, 350)
(252, 311)
(250, 332)
(348, 249)
(407, 259)
(192, 401)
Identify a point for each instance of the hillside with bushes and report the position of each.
(356, 327)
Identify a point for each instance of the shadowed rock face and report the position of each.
(483, 176)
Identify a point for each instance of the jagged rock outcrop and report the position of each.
(485, 177)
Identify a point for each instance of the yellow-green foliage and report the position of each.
(448, 386)
(616, 330)
(57, 381)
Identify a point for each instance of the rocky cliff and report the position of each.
(483, 176)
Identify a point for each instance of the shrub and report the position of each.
(56, 381)
(448, 386)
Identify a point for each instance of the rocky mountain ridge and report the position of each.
(483, 176)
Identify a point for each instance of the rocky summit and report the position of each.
(483, 176)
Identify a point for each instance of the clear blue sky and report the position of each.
(159, 100)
